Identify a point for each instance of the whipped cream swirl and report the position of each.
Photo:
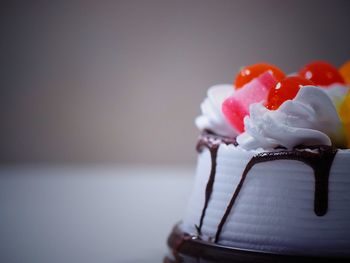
(309, 119)
(212, 118)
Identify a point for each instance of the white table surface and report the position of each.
(89, 213)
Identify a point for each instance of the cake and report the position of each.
(273, 172)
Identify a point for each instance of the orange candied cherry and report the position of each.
(284, 90)
(344, 71)
(251, 72)
(344, 114)
(321, 73)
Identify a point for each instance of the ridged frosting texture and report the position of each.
(274, 211)
(309, 119)
(212, 118)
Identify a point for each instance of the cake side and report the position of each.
(272, 173)
(274, 210)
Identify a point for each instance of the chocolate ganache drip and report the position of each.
(211, 142)
(319, 158)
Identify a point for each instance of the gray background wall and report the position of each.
(121, 81)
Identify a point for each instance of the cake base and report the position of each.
(188, 249)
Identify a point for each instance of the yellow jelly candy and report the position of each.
(344, 71)
(344, 113)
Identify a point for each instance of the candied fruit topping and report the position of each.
(321, 73)
(345, 71)
(236, 107)
(251, 72)
(344, 114)
(284, 90)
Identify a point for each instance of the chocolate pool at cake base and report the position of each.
(188, 249)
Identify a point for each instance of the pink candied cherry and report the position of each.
(321, 73)
(236, 107)
(284, 90)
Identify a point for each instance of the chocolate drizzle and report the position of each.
(211, 142)
(319, 158)
(210, 183)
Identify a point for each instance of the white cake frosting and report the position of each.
(274, 210)
(212, 118)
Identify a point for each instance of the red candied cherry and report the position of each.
(284, 90)
(321, 73)
(251, 72)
